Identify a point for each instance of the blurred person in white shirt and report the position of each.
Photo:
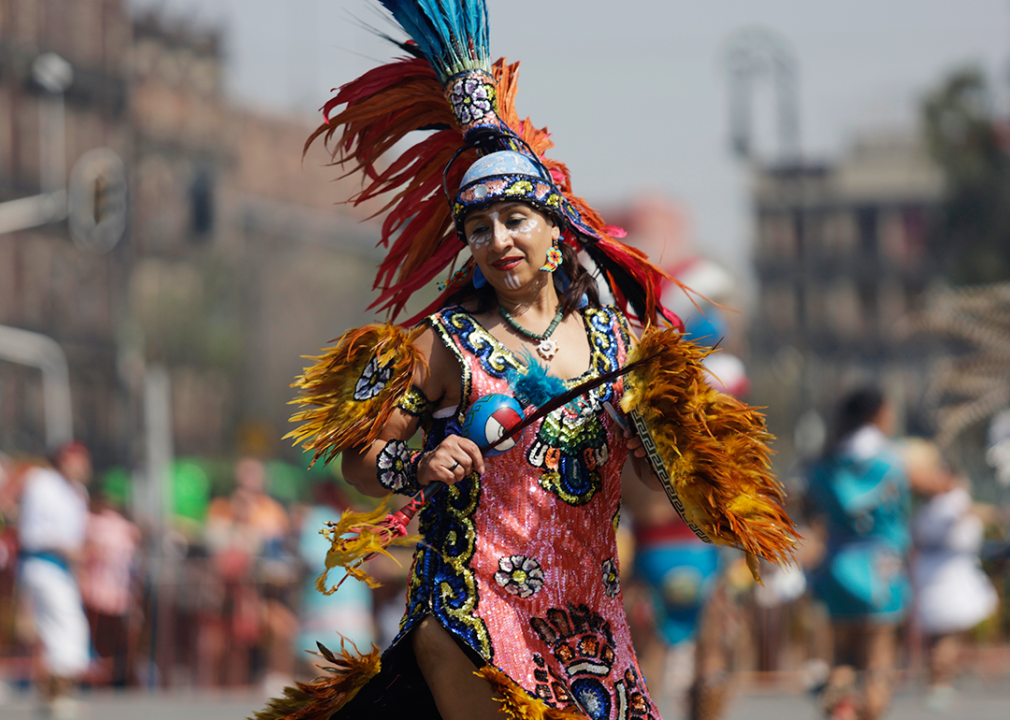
(953, 593)
(52, 526)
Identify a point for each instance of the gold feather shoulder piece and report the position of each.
(351, 389)
(709, 450)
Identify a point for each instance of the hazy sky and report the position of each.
(634, 91)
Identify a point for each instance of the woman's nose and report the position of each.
(500, 236)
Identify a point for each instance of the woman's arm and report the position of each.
(453, 459)
(360, 468)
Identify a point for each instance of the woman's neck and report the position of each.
(539, 300)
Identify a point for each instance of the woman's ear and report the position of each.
(555, 230)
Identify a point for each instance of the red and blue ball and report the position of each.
(489, 419)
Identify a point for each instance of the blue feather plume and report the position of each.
(451, 34)
(534, 385)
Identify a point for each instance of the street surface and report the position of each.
(975, 702)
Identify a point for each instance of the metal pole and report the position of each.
(42, 352)
(54, 75)
(158, 435)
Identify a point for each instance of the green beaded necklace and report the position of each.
(547, 348)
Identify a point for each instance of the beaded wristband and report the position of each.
(397, 467)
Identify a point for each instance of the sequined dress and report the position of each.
(520, 564)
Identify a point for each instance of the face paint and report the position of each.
(526, 227)
(499, 233)
(482, 238)
(524, 230)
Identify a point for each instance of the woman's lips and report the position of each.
(506, 263)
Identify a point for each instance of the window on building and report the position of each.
(778, 235)
(201, 208)
(866, 222)
(844, 309)
(869, 306)
(780, 307)
(892, 235)
(915, 221)
(839, 231)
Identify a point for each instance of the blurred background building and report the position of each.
(841, 257)
(199, 245)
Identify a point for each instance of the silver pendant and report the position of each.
(547, 349)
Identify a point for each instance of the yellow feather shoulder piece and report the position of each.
(351, 389)
(713, 447)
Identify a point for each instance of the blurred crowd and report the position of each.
(901, 575)
(901, 579)
(90, 596)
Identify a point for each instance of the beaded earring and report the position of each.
(456, 279)
(553, 259)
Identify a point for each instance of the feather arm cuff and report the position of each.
(349, 391)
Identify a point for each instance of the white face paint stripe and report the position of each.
(479, 240)
(512, 282)
(525, 229)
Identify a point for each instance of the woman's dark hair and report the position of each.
(579, 282)
(855, 410)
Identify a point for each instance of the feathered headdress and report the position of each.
(449, 86)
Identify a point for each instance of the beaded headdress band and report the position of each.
(449, 85)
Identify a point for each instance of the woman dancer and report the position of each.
(516, 578)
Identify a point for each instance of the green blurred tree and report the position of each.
(971, 143)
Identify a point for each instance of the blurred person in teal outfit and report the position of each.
(859, 489)
(346, 615)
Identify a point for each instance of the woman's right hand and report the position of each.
(453, 459)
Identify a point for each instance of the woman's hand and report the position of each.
(639, 461)
(453, 459)
(635, 446)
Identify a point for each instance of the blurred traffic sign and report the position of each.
(97, 202)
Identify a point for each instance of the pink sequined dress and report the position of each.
(520, 564)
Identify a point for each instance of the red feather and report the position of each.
(380, 109)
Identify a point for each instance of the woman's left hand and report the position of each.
(642, 466)
(635, 446)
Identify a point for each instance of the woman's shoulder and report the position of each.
(611, 318)
(446, 314)
(609, 314)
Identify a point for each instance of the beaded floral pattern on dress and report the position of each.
(519, 575)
